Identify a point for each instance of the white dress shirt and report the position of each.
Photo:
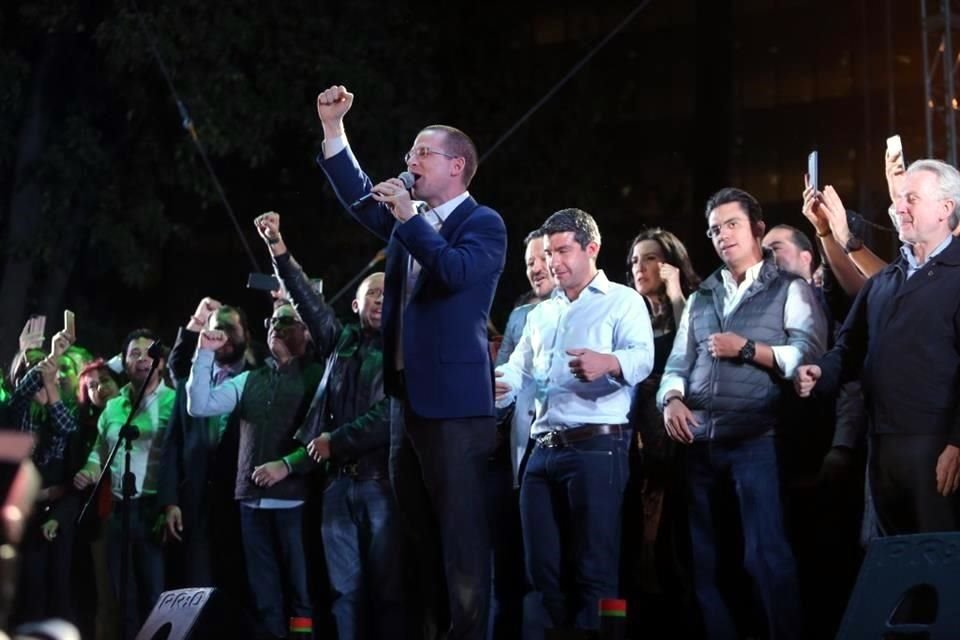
(608, 318)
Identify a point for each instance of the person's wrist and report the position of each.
(823, 232)
(842, 236)
(333, 128)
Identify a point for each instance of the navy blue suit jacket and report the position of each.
(447, 368)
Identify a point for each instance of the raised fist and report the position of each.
(333, 104)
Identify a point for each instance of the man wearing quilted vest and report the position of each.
(742, 335)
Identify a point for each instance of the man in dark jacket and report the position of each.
(743, 332)
(271, 403)
(348, 428)
(903, 337)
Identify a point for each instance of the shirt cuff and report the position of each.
(788, 358)
(668, 385)
(333, 146)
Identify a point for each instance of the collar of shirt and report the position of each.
(128, 394)
(730, 284)
(906, 251)
(441, 213)
(599, 284)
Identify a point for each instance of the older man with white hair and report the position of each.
(903, 333)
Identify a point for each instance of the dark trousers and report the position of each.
(276, 566)
(438, 468)
(570, 504)
(903, 483)
(507, 546)
(145, 562)
(751, 467)
(45, 571)
(361, 543)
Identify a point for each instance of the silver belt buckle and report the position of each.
(550, 440)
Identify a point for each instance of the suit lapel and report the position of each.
(447, 231)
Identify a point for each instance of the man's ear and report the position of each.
(759, 228)
(355, 306)
(457, 166)
(593, 248)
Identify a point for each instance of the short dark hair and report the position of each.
(460, 145)
(802, 242)
(136, 334)
(533, 235)
(746, 201)
(674, 253)
(581, 223)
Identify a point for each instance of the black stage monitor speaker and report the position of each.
(907, 590)
(190, 614)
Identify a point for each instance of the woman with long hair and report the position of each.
(656, 554)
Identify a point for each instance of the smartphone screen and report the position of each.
(813, 170)
(263, 282)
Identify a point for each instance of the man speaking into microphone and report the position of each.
(442, 268)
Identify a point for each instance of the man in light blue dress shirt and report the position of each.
(583, 350)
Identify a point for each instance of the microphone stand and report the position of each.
(128, 433)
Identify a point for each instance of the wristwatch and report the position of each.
(748, 351)
(853, 244)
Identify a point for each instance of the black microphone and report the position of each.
(156, 350)
(406, 178)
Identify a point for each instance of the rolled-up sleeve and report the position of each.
(517, 369)
(633, 342)
(806, 327)
(681, 358)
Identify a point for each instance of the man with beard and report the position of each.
(270, 403)
(199, 457)
(150, 418)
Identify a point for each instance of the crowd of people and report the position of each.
(714, 451)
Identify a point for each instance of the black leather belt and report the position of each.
(563, 437)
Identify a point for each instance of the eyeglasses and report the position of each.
(423, 152)
(281, 322)
(729, 225)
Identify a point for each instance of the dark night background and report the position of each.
(106, 208)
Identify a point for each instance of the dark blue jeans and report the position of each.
(361, 542)
(145, 566)
(751, 467)
(276, 566)
(570, 502)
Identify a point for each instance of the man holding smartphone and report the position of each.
(902, 336)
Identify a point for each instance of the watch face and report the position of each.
(854, 243)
